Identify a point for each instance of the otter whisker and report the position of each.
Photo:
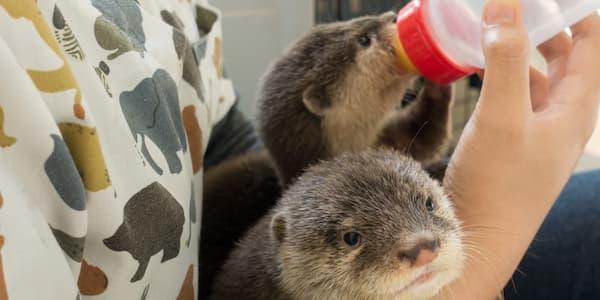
(481, 254)
(414, 138)
(469, 229)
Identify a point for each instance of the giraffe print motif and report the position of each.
(52, 81)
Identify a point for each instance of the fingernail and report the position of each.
(500, 12)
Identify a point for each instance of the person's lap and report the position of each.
(563, 261)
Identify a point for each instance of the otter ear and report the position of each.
(278, 227)
(315, 100)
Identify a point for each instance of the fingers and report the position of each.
(586, 27)
(539, 86)
(580, 88)
(556, 51)
(583, 62)
(505, 89)
(576, 97)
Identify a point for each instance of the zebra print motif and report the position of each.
(65, 37)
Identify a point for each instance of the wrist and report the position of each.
(495, 238)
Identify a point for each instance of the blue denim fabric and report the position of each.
(563, 262)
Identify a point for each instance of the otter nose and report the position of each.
(421, 254)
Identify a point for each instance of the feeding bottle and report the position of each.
(441, 39)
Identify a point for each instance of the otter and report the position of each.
(339, 89)
(237, 193)
(367, 225)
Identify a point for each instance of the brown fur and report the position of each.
(325, 96)
(237, 193)
(329, 94)
(297, 251)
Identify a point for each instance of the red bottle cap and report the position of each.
(420, 46)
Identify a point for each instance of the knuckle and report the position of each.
(507, 45)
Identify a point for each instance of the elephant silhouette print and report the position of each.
(152, 111)
(119, 29)
(153, 221)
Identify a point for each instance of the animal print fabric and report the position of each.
(106, 107)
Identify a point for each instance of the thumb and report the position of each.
(505, 90)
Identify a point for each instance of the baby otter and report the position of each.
(237, 193)
(339, 89)
(369, 225)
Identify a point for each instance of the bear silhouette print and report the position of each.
(152, 111)
(153, 221)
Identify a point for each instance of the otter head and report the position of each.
(354, 62)
(333, 90)
(366, 226)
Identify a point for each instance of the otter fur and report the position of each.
(340, 89)
(337, 89)
(236, 194)
(370, 225)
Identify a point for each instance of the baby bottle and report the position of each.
(441, 39)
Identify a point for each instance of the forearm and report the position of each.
(494, 247)
(500, 216)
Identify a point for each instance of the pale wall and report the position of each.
(255, 32)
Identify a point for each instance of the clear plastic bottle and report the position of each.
(441, 39)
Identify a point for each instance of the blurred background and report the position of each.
(257, 31)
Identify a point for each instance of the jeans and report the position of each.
(563, 262)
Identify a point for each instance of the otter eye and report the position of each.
(352, 238)
(364, 41)
(429, 204)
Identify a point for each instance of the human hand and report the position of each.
(522, 143)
